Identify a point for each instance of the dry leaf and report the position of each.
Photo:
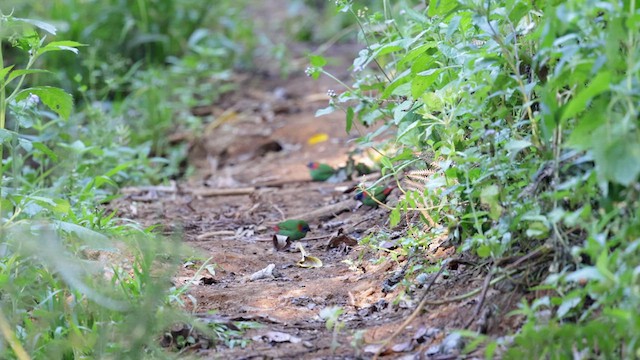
(402, 347)
(281, 242)
(318, 138)
(373, 348)
(340, 239)
(211, 269)
(308, 261)
(266, 273)
(280, 337)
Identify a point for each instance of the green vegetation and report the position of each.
(76, 282)
(519, 117)
(524, 117)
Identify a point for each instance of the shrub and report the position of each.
(524, 116)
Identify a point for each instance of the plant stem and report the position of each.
(337, 80)
(3, 111)
(11, 338)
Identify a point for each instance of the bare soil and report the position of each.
(259, 145)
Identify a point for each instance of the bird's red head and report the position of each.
(313, 165)
(276, 228)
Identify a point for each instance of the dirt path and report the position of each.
(232, 229)
(259, 146)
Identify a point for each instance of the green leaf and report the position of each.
(515, 146)
(597, 86)
(45, 150)
(119, 168)
(582, 136)
(617, 156)
(402, 78)
(61, 46)
(441, 7)
(22, 72)
(26, 144)
(484, 251)
(490, 196)
(386, 163)
(55, 98)
(4, 71)
(419, 54)
(317, 61)
(350, 114)
(39, 24)
(586, 273)
(87, 235)
(421, 83)
(394, 217)
(326, 111)
(567, 305)
(6, 135)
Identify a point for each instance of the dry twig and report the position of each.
(223, 192)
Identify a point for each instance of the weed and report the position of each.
(522, 118)
(69, 289)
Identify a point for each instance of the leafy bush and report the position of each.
(56, 299)
(524, 117)
(128, 35)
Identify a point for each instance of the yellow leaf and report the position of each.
(227, 116)
(318, 138)
(307, 260)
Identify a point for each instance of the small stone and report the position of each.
(420, 335)
(433, 332)
(372, 348)
(402, 347)
(453, 342)
(380, 305)
(433, 350)
(422, 278)
(365, 311)
(307, 344)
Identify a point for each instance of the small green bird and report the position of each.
(294, 229)
(379, 193)
(320, 172)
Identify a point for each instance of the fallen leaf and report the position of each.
(308, 261)
(443, 253)
(281, 242)
(280, 337)
(318, 138)
(340, 239)
(227, 116)
(265, 273)
(402, 347)
(420, 335)
(211, 269)
(373, 348)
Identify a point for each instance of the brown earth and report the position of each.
(259, 145)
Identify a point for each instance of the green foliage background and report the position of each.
(526, 114)
(133, 69)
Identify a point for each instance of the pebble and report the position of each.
(432, 332)
(433, 350)
(453, 342)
